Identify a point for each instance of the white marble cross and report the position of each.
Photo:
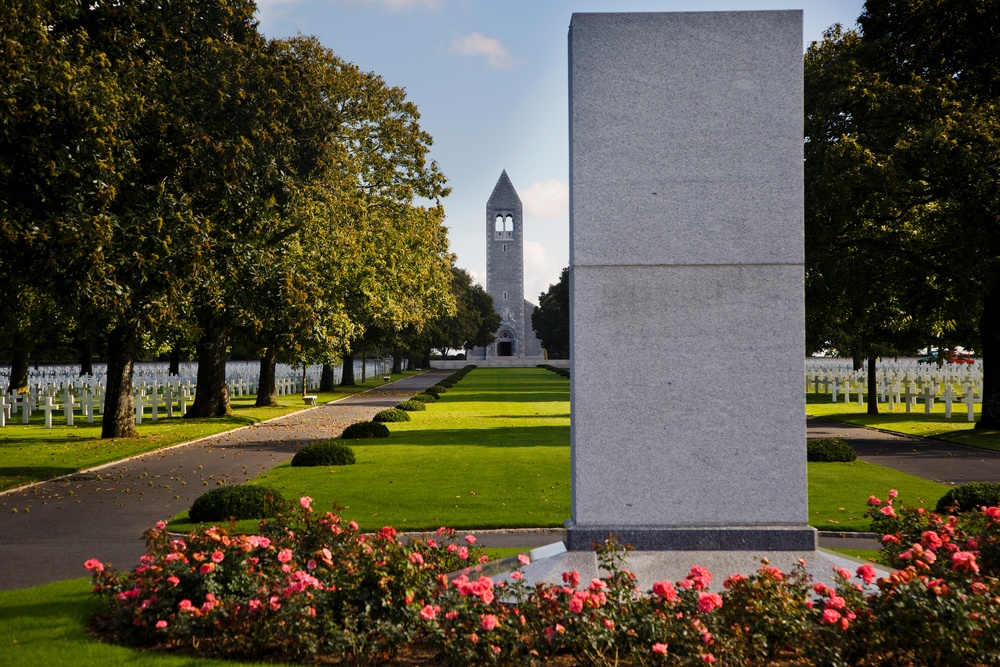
(927, 396)
(155, 401)
(168, 398)
(88, 404)
(140, 404)
(4, 406)
(969, 398)
(910, 397)
(48, 407)
(69, 404)
(949, 398)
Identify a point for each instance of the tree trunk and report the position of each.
(364, 365)
(858, 360)
(347, 374)
(397, 362)
(211, 397)
(86, 349)
(119, 403)
(175, 360)
(19, 364)
(266, 396)
(326, 379)
(426, 362)
(989, 330)
(872, 387)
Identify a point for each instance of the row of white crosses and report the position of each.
(56, 390)
(900, 382)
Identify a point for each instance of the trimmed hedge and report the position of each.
(970, 497)
(324, 453)
(239, 501)
(359, 430)
(829, 450)
(424, 398)
(391, 415)
(411, 406)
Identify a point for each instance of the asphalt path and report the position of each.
(102, 512)
(936, 460)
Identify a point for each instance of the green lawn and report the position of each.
(493, 452)
(935, 425)
(838, 493)
(45, 626)
(30, 452)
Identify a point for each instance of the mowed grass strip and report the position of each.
(839, 492)
(957, 428)
(31, 453)
(493, 452)
(46, 626)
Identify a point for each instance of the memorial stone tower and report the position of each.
(505, 277)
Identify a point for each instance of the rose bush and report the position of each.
(308, 587)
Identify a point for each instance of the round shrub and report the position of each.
(324, 453)
(829, 450)
(970, 496)
(359, 430)
(447, 382)
(411, 406)
(434, 391)
(240, 501)
(441, 389)
(424, 398)
(391, 415)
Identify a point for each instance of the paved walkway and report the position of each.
(102, 513)
(931, 459)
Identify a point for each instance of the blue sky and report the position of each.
(489, 78)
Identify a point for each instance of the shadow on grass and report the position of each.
(562, 416)
(506, 397)
(501, 436)
(17, 475)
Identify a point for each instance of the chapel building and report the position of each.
(515, 339)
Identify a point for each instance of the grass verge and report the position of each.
(935, 425)
(838, 492)
(493, 452)
(31, 453)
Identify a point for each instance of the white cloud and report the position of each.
(478, 44)
(540, 270)
(546, 199)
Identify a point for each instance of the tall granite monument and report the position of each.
(687, 250)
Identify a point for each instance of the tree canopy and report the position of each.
(165, 168)
(902, 196)
(551, 319)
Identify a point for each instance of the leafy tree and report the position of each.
(551, 319)
(902, 126)
(473, 323)
(60, 107)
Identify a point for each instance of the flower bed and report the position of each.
(309, 588)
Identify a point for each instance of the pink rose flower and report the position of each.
(306, 501)
(489, 622)
(523, 559)
(708, 657)
(888, 511)
(463, 553)
(831, 616)
(964, 561)
(660, 648)
(94, 564)
(429, 612)
(470, 539)
(218, 557)
(867, 573)
(576, 604)
(516, 575)
(665, 590)
(709, 601)
(161, 624)
(284, 555)
(207, 568)
(416, 558)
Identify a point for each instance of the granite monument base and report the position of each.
(716, 538)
